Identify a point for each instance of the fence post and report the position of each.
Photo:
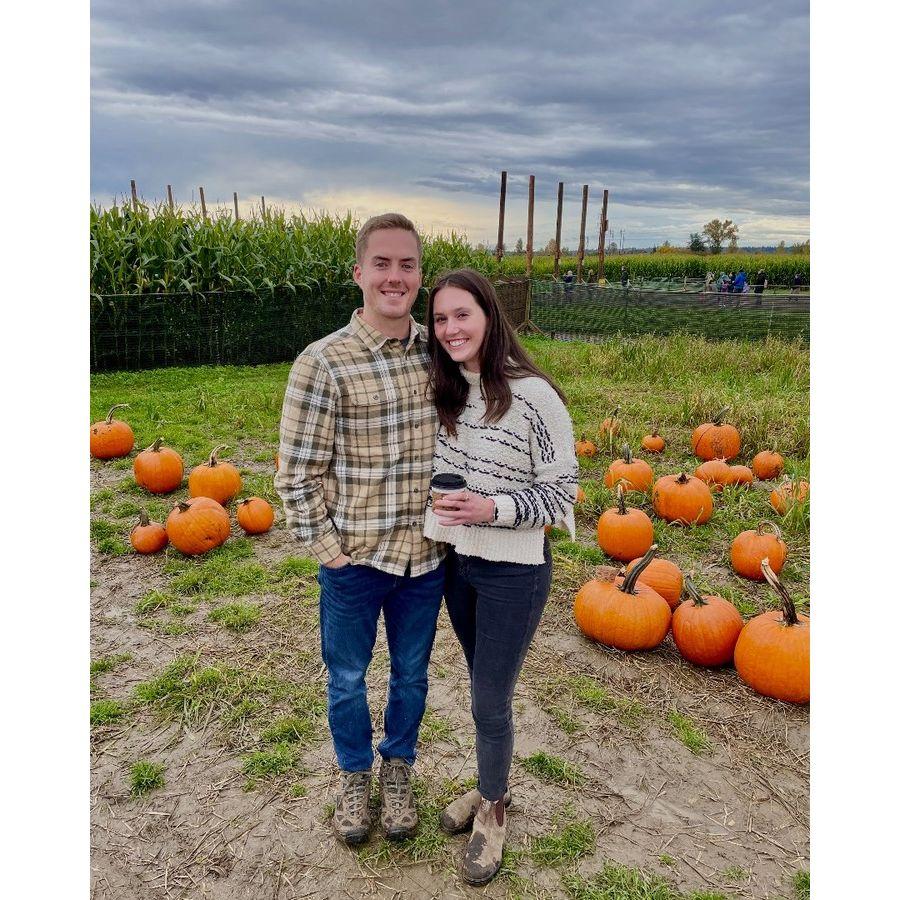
(237, 215)
(529, 250)
(559, 205)
(203, 203)
(134, 199)
(499, 252)
(601, 250)
(584, 202)
(263, 202)
(171, 198)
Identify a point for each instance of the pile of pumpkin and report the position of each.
(636, 609)
(198, 524)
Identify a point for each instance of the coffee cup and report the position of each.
(446, 483)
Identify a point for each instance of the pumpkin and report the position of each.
(628, 616)
(158, 469)
(738, 475)
(584, 447)
(772, 653)
(197, 525)
(715, 472)
(664, 577)
(767, 464)
(635, 474)
(624, 533)
(111, 438)
(788, 494)
(255, 515)
(147, 536)
(219, 480)
(751, 547)
(682, 498)
(653, 443)
(611, 426)
(706, 628)
(716, 440)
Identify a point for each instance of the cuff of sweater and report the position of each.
(504, 509)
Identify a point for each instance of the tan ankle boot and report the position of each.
(459, 815)
(484, 853)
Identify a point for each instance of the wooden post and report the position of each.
(202, 203)
(559, 201)
(601, 250)
(134, 199)
(263, 203)
(499, 252)
(237, 215)
(529, 249)
(584, 199)
(171, 199)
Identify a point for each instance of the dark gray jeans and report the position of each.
(495, 608)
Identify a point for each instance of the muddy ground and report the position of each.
(731, 819)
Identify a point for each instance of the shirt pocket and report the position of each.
(371, 433)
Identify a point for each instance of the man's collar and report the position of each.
(374, 339)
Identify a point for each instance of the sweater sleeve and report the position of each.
(551, 496)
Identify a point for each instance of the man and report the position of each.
(357, 438)
(761, 283)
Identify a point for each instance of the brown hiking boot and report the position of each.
(484, 854)
(458, 816)
(398, 808)
(351, 819)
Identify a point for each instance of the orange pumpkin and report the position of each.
(788, 494)
(158, 469)
(653, 443)
(716, 440)
(772, 653)
(664, 577)
(147, 536)
(682, 498)
(738, 475)
(197, 525)
(751, 547)
(634, 474)
(611, 425)
(706, 628)
(111, 438)
(767, 464)
(255, 515)
(629, 615)
(219, 480)
(584, 447)
(715, 472)
(624, 533)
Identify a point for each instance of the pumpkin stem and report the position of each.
(775, 529)
(632, 577)
(787, 605)
(183, 505)
(717, 418)
(626, 454)
(620, 495)
(212, 456)
(691, 590)
(117, 406)
(682, 478)
(156, 445)
(144, 520)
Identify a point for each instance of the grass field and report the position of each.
(635, 776)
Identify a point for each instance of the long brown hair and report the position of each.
(501, 355)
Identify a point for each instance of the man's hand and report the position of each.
(338, 562)
(463, 508)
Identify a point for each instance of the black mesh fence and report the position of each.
(592, 311)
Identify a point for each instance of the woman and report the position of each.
(505, 430)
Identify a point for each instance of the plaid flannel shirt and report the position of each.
(357, 438)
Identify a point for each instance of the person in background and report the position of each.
(505, 430)
(357, 438)
(760, 283)
(707, 285)
(569, 280)
(740, 282)
(797, 283)
(626, 281)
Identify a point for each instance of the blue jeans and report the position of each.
(495, 608)
(350, 601)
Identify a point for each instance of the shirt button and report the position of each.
(415, 490)
(416, 425)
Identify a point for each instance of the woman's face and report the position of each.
(459, 326)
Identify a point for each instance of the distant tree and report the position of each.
(733, 245)
(613, 247)
(697, 244)
(718, 232)
(520, 245)
(800, 249)
(551, 246)
(666, 247)
(780, 248)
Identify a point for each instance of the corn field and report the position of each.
(156, 250)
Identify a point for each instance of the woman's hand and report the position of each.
(463, 508)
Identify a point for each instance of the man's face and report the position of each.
(389, 275)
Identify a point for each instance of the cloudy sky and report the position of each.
(684, 111)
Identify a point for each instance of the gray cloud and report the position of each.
(696, 107)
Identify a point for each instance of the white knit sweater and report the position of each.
(525, 463)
